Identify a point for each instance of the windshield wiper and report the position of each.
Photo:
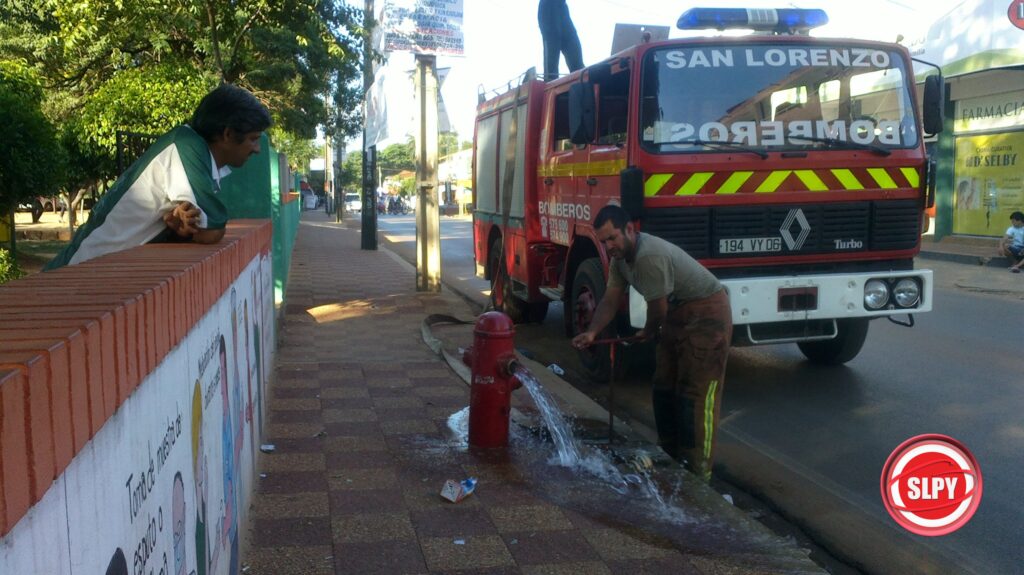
(844, 144)
(724, 146)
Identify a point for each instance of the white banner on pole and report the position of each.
(376, 111)
(424, 27)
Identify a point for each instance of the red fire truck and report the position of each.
(793, 167)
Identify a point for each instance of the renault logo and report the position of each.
(795, 216)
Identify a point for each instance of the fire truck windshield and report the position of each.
(775, 97)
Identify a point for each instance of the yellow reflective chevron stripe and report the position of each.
(811, 180)
(847, 179)
(882, 178)
(655, 183)
(734, 182)
(694, 183)
(912, 176)
(770, 181)
(709, 418)
(773, 181)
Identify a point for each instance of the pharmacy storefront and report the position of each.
(981, 153)
(989, 163)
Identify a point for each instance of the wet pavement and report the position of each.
(368, 422)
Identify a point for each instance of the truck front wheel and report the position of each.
(841, 349)
(587, 290)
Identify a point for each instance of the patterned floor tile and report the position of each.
(373, 527)
(475, 552)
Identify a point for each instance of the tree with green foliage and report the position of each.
(397, 157)
(141, 65)
(351, 176)
(32, 162)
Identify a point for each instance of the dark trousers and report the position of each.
(559, 36)
(690, 376)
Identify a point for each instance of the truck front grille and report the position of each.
(812, 228)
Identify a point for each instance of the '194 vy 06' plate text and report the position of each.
(749, 245)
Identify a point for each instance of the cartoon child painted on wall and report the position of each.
(199, 470)
(118, 564)
(178, 518)
(258, 309)
(241, 408)
(249, 417)
(229, 531)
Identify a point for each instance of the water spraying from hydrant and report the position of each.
(561, 435)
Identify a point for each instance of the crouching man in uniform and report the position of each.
(689, 318)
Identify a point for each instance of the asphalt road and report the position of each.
(811, 441)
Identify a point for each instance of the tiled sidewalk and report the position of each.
(358, 414)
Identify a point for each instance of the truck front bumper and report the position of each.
(808, 297)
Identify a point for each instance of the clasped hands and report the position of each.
(183, 219)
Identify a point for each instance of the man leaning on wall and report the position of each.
(171, 192)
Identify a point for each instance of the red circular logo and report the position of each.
(931, 485)
(1016, 13)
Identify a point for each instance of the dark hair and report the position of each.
(1017, 216)
(229, 106)
(617, 215)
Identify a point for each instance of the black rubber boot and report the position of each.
(691, 453)
(665, 421)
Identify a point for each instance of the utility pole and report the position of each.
(369, 216)
(428, 236)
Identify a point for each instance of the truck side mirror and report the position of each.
(582, 112)
(631, 191)
(934, 104)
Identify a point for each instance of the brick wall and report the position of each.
(75, 344)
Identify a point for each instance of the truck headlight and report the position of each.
(876, 294)
(906, 293)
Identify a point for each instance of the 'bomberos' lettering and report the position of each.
(774, 133)
(564, 210)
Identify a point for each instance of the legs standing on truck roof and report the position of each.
(559, 36)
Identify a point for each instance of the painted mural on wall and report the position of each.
(164, 486)
(989, 180)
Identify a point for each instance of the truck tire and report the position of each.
(502, 298)
(844, 347)
(587, 290)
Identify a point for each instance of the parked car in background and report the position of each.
(353, 204)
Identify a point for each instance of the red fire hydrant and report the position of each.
(491, 358)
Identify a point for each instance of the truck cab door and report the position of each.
(560, 167)
(607, 156)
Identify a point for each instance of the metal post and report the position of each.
(428, 237)
(368, 240)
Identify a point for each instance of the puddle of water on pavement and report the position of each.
(584, 463)
(660, 508)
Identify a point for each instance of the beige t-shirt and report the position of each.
(663, 269)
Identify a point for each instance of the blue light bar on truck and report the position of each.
(781, 20)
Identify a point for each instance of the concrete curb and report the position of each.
(968, 259)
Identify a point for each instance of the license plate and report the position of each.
(749, 245)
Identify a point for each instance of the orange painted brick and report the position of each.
(56, 387)
(99, 326)
(69, 389)
(38, 414)
(123, 294)
(15, 488)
